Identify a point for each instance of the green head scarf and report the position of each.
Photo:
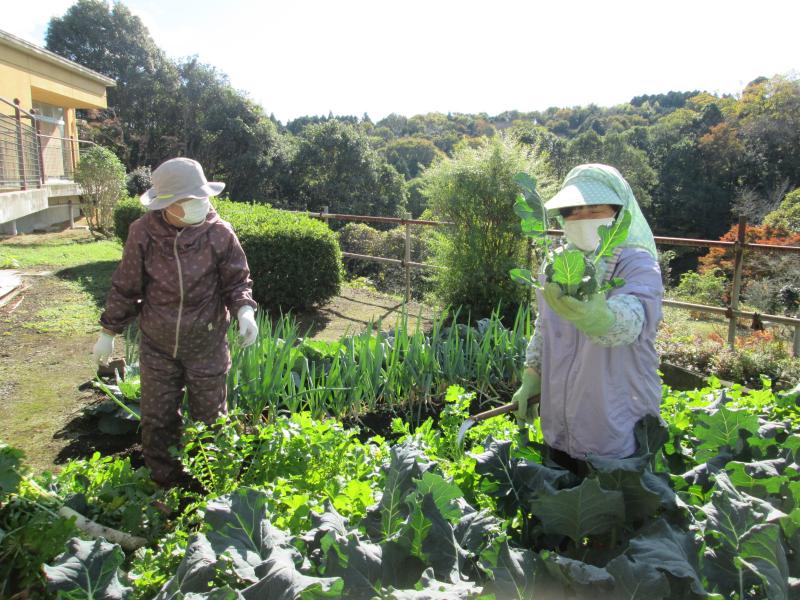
(591, 184)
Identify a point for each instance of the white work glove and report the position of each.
(103, 348)
(248, 330)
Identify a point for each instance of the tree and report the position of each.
(787, 215)
(476, 191)
(101, 176)
(140, 123)
(230, 135)
(336, 167)
(411, 155)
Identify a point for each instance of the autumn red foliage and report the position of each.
(756, 263)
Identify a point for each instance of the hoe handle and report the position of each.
(500, 410)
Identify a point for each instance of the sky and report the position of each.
(350, 57)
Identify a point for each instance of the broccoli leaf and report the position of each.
(568, 269)
(612, 236)
(524, 277)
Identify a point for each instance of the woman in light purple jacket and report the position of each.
(594, 362)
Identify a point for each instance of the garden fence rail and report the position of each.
(731, 312)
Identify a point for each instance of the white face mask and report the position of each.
(194, 211)
(583, 234)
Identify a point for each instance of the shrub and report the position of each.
(787, 215)
(138, 181)
(476, 191)
(707, 288)
(101, 176)
(295, 260)
(360, 238)
(126, 212)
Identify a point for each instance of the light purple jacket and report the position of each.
(594, 390)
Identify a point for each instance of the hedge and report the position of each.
(126, 212)
(295, 261)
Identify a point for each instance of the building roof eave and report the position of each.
(52, 57)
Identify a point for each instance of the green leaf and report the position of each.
(722, 429)
(524, 277)
(476, 530)
(87, 570)
(662, 547)
(10, 469)
(637, 581)
(612, 235)
(223, 593)
(576, 575)
(407, 464)
(196, 571)
(762, 552)
(730, 515)
(527, 183)
(514, 572)
(280, 580)
(522, 209)
(240, 528)
(586, 509)
(428, 536)
(534, 228)
(515, 482)
(429, 588)
(568, 269)
(763, 473)
(444, 494)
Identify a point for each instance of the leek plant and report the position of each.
(401, 370)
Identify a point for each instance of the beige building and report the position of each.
(39, 146)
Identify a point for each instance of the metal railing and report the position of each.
(20, 151)
(30, 158)
(730, 312)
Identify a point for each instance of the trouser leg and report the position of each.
(162, 382)
(206, 380)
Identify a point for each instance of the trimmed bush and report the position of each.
(295, 260)
(126, 212)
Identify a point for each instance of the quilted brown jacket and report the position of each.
(183, 284)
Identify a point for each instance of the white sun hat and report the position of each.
(177, 179)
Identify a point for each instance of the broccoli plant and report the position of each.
(574, 271)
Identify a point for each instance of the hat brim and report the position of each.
(582, 193)
(153, 201)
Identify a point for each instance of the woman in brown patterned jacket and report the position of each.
(183, 274)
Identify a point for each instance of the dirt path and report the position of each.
(39, 375)
(40, 370)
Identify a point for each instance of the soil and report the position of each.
(42, 373)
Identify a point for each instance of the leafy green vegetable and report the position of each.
(88, 570)
(586, 509)
(572, 269)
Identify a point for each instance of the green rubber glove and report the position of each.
(531, 386)
(592, 317)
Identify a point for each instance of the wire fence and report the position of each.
(730, 312)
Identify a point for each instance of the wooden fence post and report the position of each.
(407, 257)
(796, 342)
(738, 259)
